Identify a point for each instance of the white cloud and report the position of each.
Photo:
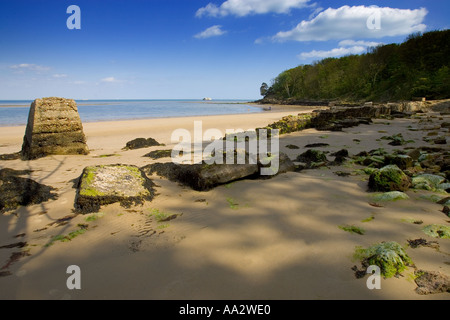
(30, 67)
(59, 75)
(109, 79)
(348, 43)
(213, 31)
(346, 47)
(352, 22)
(336, 52)
(242, 8)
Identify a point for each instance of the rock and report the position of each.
(139, 143)
(11, 156)
(157, 154)
(316, 145)
(54, 127)
(390, 196)
(437, 231)
(292, 146)
(390, 257)
(339, 156)
(389, 178)
(430, 282)
(414, 154)
(203, 177)
(16, 191)
(397, 139)
(401, 161)
(443, 186)
(427, 181)
(101, 185)
(312, 155)
(440, 140)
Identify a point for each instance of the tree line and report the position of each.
(418, 67)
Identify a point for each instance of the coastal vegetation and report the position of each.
(418, 67)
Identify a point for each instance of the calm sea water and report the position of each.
(15, 112)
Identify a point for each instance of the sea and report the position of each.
(15, 112)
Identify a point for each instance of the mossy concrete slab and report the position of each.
(100, 185)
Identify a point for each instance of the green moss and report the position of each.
(390, 257)
(233, 205)
(353, 229)
(437, 231)
(69, 237)
(368, 219)
(94, 216)
(390, 196)
(389, 178)
(159, 215)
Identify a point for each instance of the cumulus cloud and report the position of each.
(213, 31)
(346, 47)
(356, 22)
(30, 67)
(243, 8)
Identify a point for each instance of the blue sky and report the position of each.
(188, 49)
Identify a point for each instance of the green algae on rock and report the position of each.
(390, 196)
(390, 257)
(389, 178)
(100, 185)
(437, 231)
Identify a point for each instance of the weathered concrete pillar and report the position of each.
(54, 127)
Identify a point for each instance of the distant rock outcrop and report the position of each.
(54, 127)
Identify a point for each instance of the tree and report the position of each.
(264, 88)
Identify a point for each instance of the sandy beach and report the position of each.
(250, 239)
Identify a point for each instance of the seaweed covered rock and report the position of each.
(437, 231)
(390, 196)
(157, 154)
(17, 191)
(431, 282)
(400, 160)
(389, 178)
(54, 127)
(313, 158)
(427, 181)
(203, 176)
(390, 257)
(100, 185)
(139, 143)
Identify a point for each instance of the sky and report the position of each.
(188, 49)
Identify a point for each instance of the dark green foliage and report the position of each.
(419, 67)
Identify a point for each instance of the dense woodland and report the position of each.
(419, 67)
